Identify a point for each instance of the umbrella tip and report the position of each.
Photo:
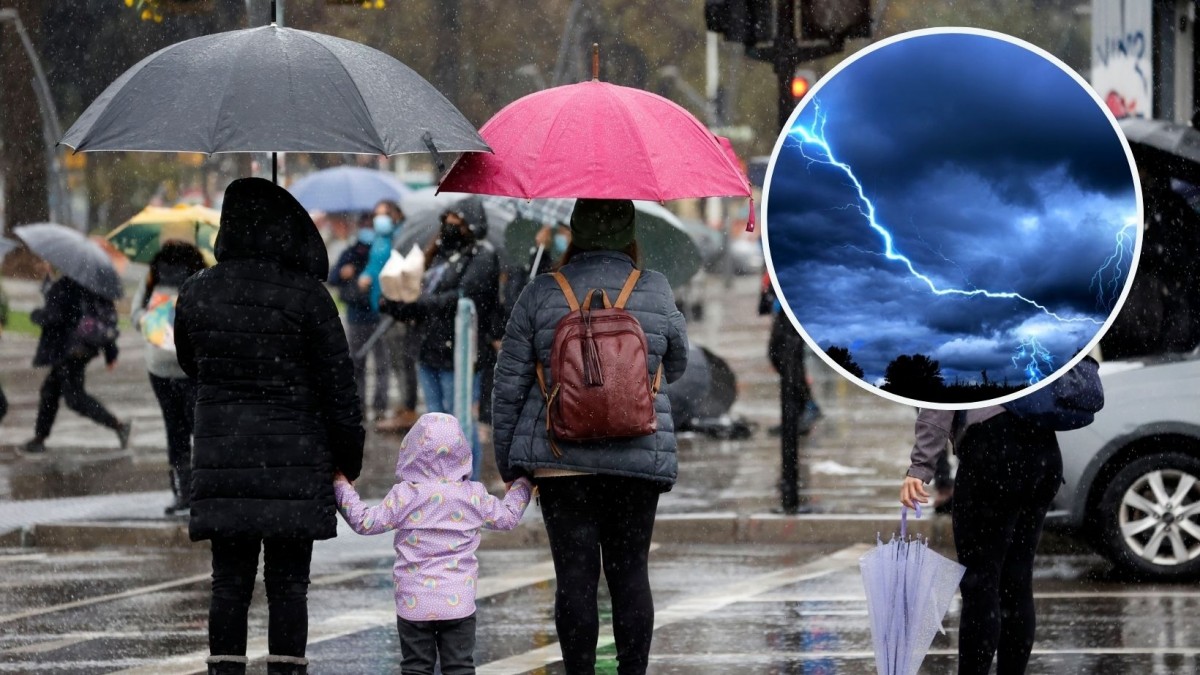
(595, 61)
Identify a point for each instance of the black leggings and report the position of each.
(1008, 474)
(590, 519)
(177, 398)
(65, 381)
(285, 571)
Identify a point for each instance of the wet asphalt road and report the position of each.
(720, 609)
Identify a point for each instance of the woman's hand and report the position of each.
(913, 491)
(364, 283)
(339, 477)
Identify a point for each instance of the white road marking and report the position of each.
(691, 607)
(133, 592)
(349, 622)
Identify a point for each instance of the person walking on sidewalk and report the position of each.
(798, 411)
(1009, 470)
(457, 266)
(61, 348)
(362, 316)
(598, 498)
(153, 311)
(277, 414)
(401, 345)
(436, 512)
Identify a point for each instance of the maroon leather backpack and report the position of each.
(602, 388)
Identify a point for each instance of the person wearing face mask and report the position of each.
(458, 264)
(362, 316)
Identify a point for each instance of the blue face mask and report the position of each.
(366, 236)
(383, 225)
(561, 242)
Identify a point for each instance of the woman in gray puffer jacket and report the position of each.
(598, 499)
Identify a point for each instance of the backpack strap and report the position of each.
(572, 302)
(627, 289)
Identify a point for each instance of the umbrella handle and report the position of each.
(904, 518)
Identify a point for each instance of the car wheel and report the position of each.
(1150, 517)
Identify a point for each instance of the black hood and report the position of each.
(262, 221)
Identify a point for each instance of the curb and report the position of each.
(720, 528)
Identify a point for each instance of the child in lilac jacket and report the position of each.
(436, 512)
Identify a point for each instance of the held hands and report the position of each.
(111, 365)
(913, 491)
(339, 477)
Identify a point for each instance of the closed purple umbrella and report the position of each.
(909, 589)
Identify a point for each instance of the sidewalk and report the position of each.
(852, 463)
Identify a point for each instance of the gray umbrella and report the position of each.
(272, 89)
(1157, 141)
(74, 255)
(423, 211)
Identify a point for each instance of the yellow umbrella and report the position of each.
(142, 235)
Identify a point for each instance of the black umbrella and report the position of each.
(74, 255)
(1159, 144)
(272, 89)
(707, 389)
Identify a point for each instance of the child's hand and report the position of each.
(339, 477)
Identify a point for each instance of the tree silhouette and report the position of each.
(914, 376)
(842, 357)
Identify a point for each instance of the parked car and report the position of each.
(1132, 478)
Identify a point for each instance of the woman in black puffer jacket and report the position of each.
(598, 498)
(277, 415)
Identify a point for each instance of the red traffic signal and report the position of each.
(802, 81)
(800, 87)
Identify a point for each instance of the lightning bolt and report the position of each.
(1029, 359)
(1107, 291)
(815, 148)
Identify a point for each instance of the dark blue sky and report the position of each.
(991, 168)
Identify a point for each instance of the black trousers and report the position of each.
(422, 643)
(1008, 473)
(785, 349)
(65, 381)
(594, 522)
(177, 399)
(285, 571)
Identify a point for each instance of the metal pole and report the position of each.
(466, 330)
(787, 57)
(49, 114)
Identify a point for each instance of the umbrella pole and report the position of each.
(275, 167)
(537, 260)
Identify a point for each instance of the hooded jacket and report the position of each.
(518, 407)
(436, 512)
(277, 407)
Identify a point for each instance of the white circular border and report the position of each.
(766, 200)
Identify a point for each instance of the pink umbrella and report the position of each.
(600, 141)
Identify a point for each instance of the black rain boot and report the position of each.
(227, 665)
(286, 665)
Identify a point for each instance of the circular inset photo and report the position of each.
(952, 218)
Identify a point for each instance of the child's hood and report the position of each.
(433, 449)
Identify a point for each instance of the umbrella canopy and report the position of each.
(1161, 140)
(663, 240)
(347, 189)
(272, 89)
(141, 236)
(909, 589)
(74, 255)
(598, 140)
(422, 217)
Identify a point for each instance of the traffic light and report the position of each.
(746, 21)
(802, 81)
(835, 20)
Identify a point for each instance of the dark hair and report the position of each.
(177, 253)
(631, 250)
(394, 207)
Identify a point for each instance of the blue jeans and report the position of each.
(438, 388)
